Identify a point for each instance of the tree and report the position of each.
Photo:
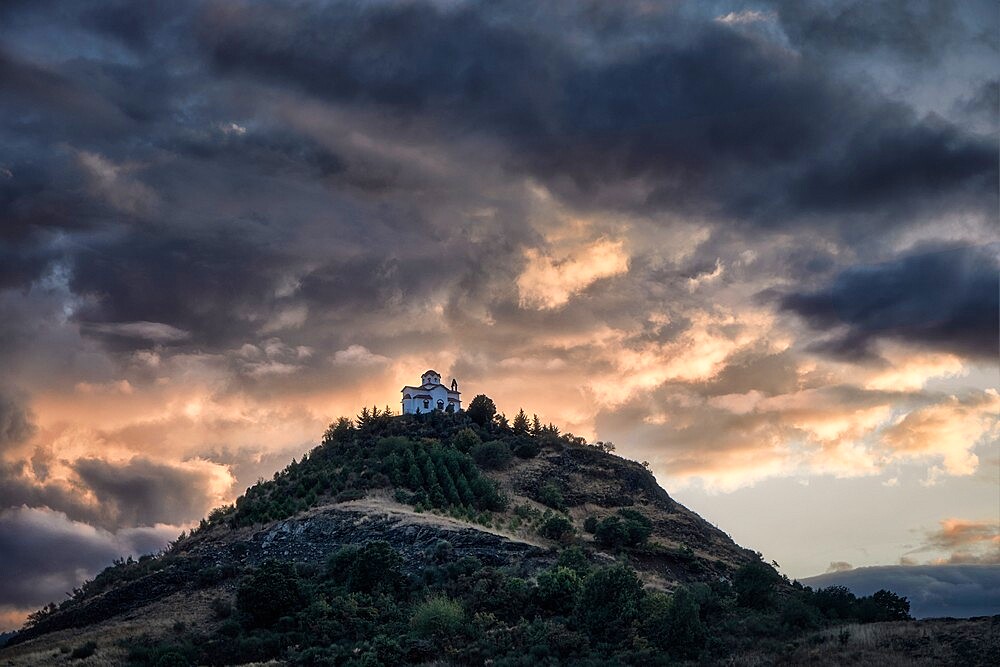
(482, 409)
(465, 440)
(520, 425)
(628, 529)
(536, 426)
(609, 603)
(754, 584)
(557, 527)
(270, 592)
(374, 566)
(557, 590)
(339, 431)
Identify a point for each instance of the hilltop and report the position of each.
(442, 537)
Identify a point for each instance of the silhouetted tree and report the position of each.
(482, 410)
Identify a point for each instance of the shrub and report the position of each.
(575, 559)
(551, 496)
(557, 590)
(465, 440)
(754, 584)
(437, 618)
(557, 527)
(374, 566)
(267, 594)
(608, 605)
(628, 528)
(590, 524)
(493, 455)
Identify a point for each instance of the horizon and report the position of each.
(753, 244)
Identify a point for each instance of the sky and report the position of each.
(752, 243)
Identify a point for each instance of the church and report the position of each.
(431, 395)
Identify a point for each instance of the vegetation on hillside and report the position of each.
(364, 608)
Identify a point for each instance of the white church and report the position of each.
(431, 395)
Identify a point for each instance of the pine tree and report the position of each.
(536, 426)
(521, 423)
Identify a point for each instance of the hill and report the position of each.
(443, 537)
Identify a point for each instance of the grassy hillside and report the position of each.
(444, 537)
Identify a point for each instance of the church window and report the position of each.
(427, 404)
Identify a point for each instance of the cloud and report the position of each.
(44, 554)
(16, 420)
(944, 298)
(839, 566)
(145, 492)
(934, 591)
(949, 430)
(963, 541)
(548, 282)
(156, 332)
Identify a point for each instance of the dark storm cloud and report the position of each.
(137, 492)
(934, 591)
(44, 554)
(915, 30)
(713, 120)
(204, 283)
(145, 492)
(945, 298)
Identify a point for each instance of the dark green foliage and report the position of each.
(465, 440)
(558, 589)
(575, 559)
(482, 410)
(754, 584)
(608, 605)
(891, 607)
(683, 630)
(551, 496)
(363, 609)
(590, 524)
(267, 594)
(629, 528)
(374, 566)
(437, 618)
(557, 527)
(494, 455)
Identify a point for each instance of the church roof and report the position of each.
(431, 372)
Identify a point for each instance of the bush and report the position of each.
(494, 455)
(374, 566)
(628, 528)
(437, 618)
(608, 605)
(557, 590)
(590, 524)
(575, 559)
(557, 527)
(267, 594)
(551, 496)
(465, 440)
(754, 584)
